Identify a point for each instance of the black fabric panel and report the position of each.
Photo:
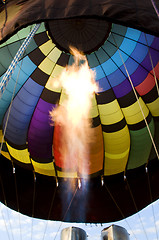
(4, 147)
(41, 160)
(141, 124)
(105, 97)
(136, 14)
(63, 60)
(39, 76)
(50, 96)
(127, 100)
(21, 164)
(94, 200)
(41, 38)
(36, 56)
(18, 147)
(114, 127)
(96, 121)
(150, 96)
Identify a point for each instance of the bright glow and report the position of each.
(102, 181)
(79, 183)
(57, 183)
(73, 114)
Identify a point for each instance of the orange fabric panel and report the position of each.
(96, 154)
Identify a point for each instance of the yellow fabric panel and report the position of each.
(63, 97)
(44, 168)
(1, 136)
(67, 174)
(57, 71)
(110, 113)
(94, 110)
(117, 142)
(133, 113)
(117, 156)
(117, 146)
(154, 107)
(53, 85)
(6, 155)
(54, 54)
(115, 165)
(47, 66)
(47, 47)
(20, 155)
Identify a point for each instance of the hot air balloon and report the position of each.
(121, 44)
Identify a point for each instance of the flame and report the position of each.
(73, 113)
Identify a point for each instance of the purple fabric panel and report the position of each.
(155, 58)
(141, 72)
(139, 76)
(154, 54)
(122, 89)
(40, 133)
(155, 43)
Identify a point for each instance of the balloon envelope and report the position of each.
(122, 144)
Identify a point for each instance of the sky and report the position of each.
(15, 226)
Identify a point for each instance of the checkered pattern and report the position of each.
(16, 59)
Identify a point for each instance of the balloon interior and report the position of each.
(79, 131)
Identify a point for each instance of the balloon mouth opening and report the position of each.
(85, 34)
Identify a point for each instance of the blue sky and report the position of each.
(15, 226)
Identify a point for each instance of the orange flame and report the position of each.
(73, 114)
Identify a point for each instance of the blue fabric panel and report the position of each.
(139, 53)
(99, 72)
(109, 67)
(28, 66)
(116, 78)
(149, 38)
(133, 34)
(103, 84)
(21, 112)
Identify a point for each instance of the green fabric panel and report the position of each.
(41, 28)
(24, 32)
(140, 146)
(32, 46)
(102, 56)
(156, 137)
(109, 48)
(92, 60)
(2, 70)
(121, 30)
(71, 60)
(9, 53)
(6, 57)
